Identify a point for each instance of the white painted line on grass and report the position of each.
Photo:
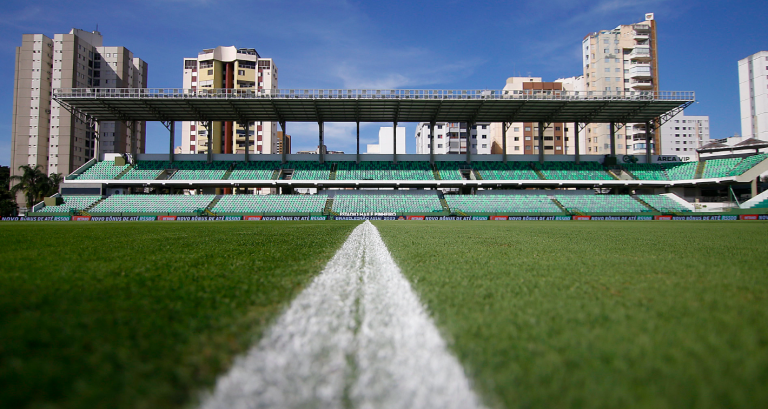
(356, 337)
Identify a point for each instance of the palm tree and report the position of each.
(32, 182)
(54, 180)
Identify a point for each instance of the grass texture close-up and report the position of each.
(597, 314)
(142, 315)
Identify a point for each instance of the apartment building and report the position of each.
(621, 61)
(385, 145)
(43, 132)
(753, 95)
(229, 68)
(523, 137)
(451, 137)
(684, 134)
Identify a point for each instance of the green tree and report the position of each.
(34, 184)
(8, 205)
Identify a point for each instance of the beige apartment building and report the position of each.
(229, 68)
(622, 61)
(523, 137)
(43, 132)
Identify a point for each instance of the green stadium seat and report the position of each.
(71, 204)
(153, 204)
(104, 170)
(601, 204)
(271, 204)
(663, 203)
(501, 204)
(386, 203)
(381, 170)
(573, 171)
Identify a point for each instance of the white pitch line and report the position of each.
(357, 337)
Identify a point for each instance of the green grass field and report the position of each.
(541, 314)
(598, 314)
(142, 315)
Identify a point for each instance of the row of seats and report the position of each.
(417, 170)
(270, 204)
(71, 203)
(601, 203)
(102, 170)
(390, 203)
(663, 203)
(367, 203)
(153, 204)
(501, 204)
(379, 170)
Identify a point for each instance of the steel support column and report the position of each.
(357, 158)
(283, 156)
(208, 127)
(432, 142)
(96, 138)
(172, 131)
(576, 140)
(613, 139)
(394, 142)
(247, 125)
(320, 152)
(504, 141)
(469, 140)
(541, 142)
(648, 152)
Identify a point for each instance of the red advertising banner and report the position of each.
(662, 217)
(499, 217)
(81, 218)
(166, 218)
(416, 217)
(251, 217)
(747, 217)
(582, 217)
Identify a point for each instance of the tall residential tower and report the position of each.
(229, 68)
(753, 95)
(622, 61)
(46, 134)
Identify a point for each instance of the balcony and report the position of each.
(640, 53)
(640, 84)
(641, 36)
(640, 72)
(643, 28)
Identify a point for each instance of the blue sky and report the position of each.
(449, 44)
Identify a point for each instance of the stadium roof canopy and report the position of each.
(353, 105)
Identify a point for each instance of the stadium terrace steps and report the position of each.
(759, 201)
(415, 170)
(71, 204)
(662, 203)
(270, 204)
(380, 170)
(501, 204)
(601, 204)
(153, 204)
(643, 202)
(572, 171)
(387, 203)
(103, 170)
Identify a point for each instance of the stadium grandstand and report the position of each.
(215, 184)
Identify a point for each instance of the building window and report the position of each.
(240, 72)
(517, 129)
(517, 148)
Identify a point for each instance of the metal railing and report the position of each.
(398, 94)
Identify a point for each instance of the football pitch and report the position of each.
(538, 314)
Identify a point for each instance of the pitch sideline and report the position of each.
(357, 337)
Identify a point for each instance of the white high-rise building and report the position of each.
(753, 95)
(385, 145)
(622, 61)
(46, 134)
(451, 137)
(684, 134)
(229, 68)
